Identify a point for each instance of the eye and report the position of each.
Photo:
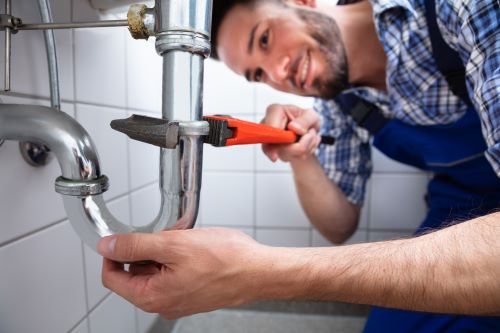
(264, 40)
(258, 75)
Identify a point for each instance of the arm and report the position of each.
(325, 205)
(454, 270)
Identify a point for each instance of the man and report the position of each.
(378, 53)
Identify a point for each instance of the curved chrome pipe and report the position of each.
(180, 172)
(68, 140)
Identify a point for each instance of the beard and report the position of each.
(326, 32)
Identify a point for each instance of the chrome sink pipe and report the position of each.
(182, 31)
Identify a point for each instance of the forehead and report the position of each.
(236, 27)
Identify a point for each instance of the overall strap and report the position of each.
(365, 114)
(448, 61)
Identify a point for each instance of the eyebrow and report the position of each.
(252, 37)
(250, 48)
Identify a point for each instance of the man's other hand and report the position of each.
(182, 272)
(304, 122)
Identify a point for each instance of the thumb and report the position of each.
(132, 247)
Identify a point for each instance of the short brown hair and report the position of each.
(220, 8)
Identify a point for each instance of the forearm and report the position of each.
(455, 270)
(323, 202)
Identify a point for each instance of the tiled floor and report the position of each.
(244, 321)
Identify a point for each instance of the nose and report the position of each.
(278, 69)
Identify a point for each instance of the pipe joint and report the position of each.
(81, 188)
(183, 40)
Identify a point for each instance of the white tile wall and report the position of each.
(114, 314)
(48, 275)
(283, 237)
(277, 203)
(42, 282)
(233, 204)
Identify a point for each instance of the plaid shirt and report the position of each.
(417, 91)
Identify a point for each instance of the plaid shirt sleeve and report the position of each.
(348, 161)
(472, 28)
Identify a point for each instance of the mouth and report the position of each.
(303, 72)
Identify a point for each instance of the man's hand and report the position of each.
(194, 271)
(304, 122)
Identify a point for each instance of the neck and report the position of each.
(366, 58)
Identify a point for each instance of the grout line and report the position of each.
(141, 187)
(254, 174)
(100, 302)
(78, 323)
(123, 195)
(32, 232)
(85, 280)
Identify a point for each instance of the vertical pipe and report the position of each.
(50, 47)
(180, 168)
(8, 35)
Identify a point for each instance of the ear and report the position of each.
(307, 3)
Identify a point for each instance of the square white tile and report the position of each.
(232, 158)
(111, 145)
(145, 205)
(376, 236)
(384, 164)
(265, 96)
(30, 187)
(397, 201)
(145, 320)
(144, 75)
(283, 237)
(114, 314)
(42, 278)
(29, 72)
(225, 92)
(359, 236)
(277, 202)
(100, 66)
(227, 199)
(263, 163)
(83, 327)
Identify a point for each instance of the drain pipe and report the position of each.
(82, 183)
(182, 31)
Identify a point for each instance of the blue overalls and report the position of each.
(464, 186)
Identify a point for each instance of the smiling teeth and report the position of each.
(304, 71)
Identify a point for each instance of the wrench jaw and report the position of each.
(165, 134)
(219, 132)
(159, 132)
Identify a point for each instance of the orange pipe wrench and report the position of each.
(228, 131)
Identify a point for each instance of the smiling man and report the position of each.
(421, 82)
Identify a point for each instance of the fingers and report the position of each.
(298, 120)
(144, 269)
(115, 278)
(308, 119)
(133, 247)
(303, 148)
(271, 151)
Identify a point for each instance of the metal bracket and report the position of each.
(10, 22)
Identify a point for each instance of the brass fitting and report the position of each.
(141, 21)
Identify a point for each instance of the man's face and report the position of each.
(292, 49)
